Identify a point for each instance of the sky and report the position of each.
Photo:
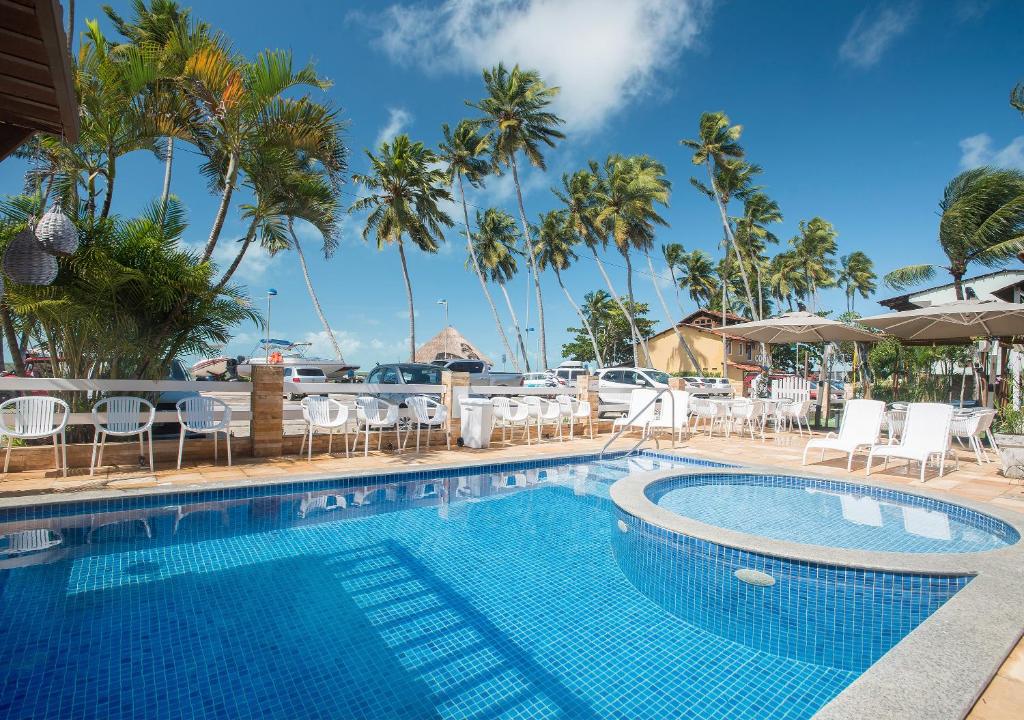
(858, 112)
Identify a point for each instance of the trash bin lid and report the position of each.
(474, 401)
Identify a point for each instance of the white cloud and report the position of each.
(398, 120)
(873, 32)
(602, 53)
(977, 150)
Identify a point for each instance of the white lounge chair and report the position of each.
(321, 413)
(510, 414)
(35, 417)
(861, 423)
(123, 420)
(374, 414)
(925, 434)
(642, 409)
(196, 414)
(674, 415)
(430, 414)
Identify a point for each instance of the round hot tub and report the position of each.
(834, 514)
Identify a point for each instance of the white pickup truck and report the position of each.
(480, 373)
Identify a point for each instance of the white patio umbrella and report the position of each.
(796, 327)
(956, 321)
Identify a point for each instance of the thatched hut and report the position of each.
(449, 344)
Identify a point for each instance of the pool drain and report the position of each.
(754, 577)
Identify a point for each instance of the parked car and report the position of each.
(295, 376)
(615, 385)
(565, 374)
(539, 379)
(404, 374)
(837, 391)
(480, 373)
(708, 386)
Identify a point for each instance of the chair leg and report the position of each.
(366, 440)
(7, 458)
(181, 445)
(227, 441)
(56, 453)
(214, 448)
(867, 469)
(92, 461)
(103, 446)
(849, 461)
(330, 442)
(64, 450)
(302, 445)
(152, 467)
(992, 441)
(309, 450)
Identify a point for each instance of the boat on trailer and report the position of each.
(287, 353)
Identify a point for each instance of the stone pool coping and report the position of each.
(942, 667)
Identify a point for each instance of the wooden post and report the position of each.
(266, 423)
(456, 385)
(586, 391)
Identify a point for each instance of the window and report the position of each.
(287, 372)
(630, 377)
(389, 376)
(310, 372)
(614, 376)
(422, 375)
(728, 346)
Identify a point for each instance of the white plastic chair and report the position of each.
(674, 415)
(430, 414)
(926, 434)
(746, 413)
(972, 426)
(546, 412)
(510, 414)
(198, 415)
(641, 410)
(895, 419)
(703, 412)
(575, 409)
(321, 413)
(794, 413)
(861, 423)
(28, 541)
(123, 420)
(377, 415)
(35, 417)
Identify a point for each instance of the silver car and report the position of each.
(615, 385)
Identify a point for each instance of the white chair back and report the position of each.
(199, 413)
(641, 406)
(323, 412)
(862, 421)
(927, 427)
(675, 409)
(508, 410)
(123, 414)
(426, 411)
(34, 416)
(374, 411)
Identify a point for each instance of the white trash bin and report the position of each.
(477, 416)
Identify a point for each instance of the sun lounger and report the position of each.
(862, 420)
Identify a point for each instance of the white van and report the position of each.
(615, 385)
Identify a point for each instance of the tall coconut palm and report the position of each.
(856, 276)
(555, 240)
(516, 110)
(753, 235)
(982, 223)
(495, 246)
(405, 186)
(463, 152)
(814, 250)
(673, 254)
(717, 148)
(696, 274)
(785, 279)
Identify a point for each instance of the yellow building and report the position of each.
(706, 345)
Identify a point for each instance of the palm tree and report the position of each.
(406, 186)
(463, 152)
(856, 275)
(785, 279)
(753, 235)
(697, 275)
(673, 254)
(982, 222)
(516, 110)
(555, 239)
(814, 252)
(717, 148)
(494, 245)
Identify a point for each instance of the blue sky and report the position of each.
(859, 113)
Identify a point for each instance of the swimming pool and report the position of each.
(836, 514)
(498, 591)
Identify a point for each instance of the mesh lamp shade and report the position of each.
(27, 263)
(56, 233)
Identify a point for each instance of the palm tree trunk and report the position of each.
(166, 192)
(483, 281)
(312, 293)
(632, 306)
(225, 200)
(532, 262)
(732, 240)
(12, 340)
(109, 195)
(408, 292)
(622, 306)
(668, 316)
(515, 324)
(586, 323)
(958, 285)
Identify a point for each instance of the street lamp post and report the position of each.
(528, 331)
(444, 330)
(271, 292)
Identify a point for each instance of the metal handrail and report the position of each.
(638, 413)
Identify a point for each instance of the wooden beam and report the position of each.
(29, 70)
(51, 29)
(11, 136)
(18, 18)
(35, 92)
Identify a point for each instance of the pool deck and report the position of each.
(1003, 698)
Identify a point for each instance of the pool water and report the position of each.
(496, 594)
(835, 514)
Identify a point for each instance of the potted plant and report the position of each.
(1008, 430)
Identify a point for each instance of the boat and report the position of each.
(214, 367)
(288, 353)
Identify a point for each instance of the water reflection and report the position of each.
(864, 510)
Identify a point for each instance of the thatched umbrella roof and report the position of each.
(449, 344)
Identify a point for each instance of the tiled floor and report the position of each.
(1003, 698)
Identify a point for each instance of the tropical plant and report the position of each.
(405, 186)
(696, 275)
(517, 112)
(814, 250)
(982, 223)
(463, 152)
(555, 240)
(856, 276)
(612, 328)
(753, 236)
(717, 148)
(495, 245)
